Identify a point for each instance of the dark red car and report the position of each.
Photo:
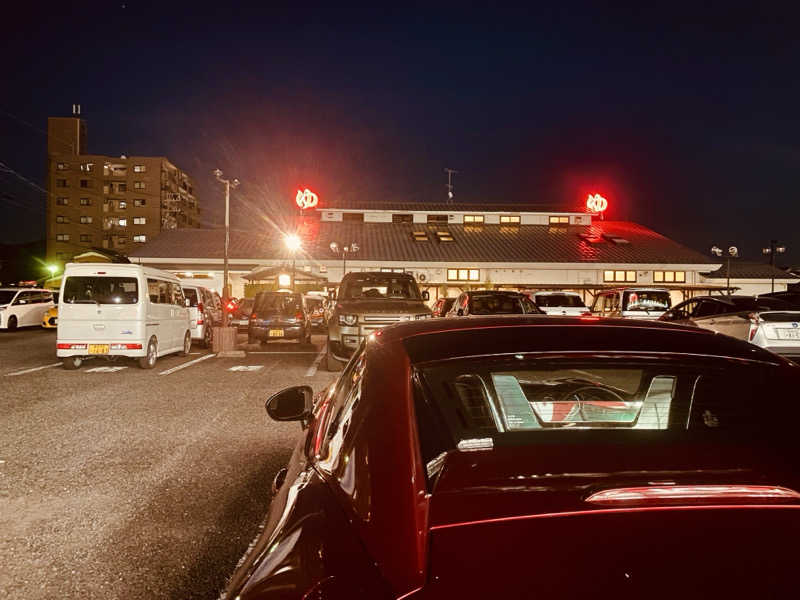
(546, 457)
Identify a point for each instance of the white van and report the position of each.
(109, 310)
(632, 303)
(23, 307)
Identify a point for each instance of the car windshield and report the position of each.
(559, 300)
(101, 290)
(367, 287)
(6, 296)
(278, 303)
(490, 397)
(496, 304)
(646, 300)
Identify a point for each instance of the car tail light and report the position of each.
(677, 494)
(299, 316)
(71, 346)
(254, 316)
(586, 313)
(755, 321)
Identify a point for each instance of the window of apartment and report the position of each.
(437, 218)
(473, 218)
(85, 237)
(86, 201)
(139, 221)
(122, 205)
(122, 187)
(140, 239)
(87, 167)
(62, 201)
(62, 183)
(402, 218)
(62, 219)
(106, 187)
(509, 219)
(139, 168)
(669, 276)
(62, 166)
(139, 202)
(62, 237)
(619, 276)
(86, 183)
(122, 222)
(138, 185)
(559, 220)
(463, 274)
(85, 220)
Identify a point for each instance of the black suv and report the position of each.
(493, 302)
(279, 316)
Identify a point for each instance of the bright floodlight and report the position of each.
(716, 251)
(284, 280)
(52, 269)
(334, 247)
(293, 242)
(733, 251)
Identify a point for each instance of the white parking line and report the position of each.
(32, 370)
(246, 368)
(105, 369)
(186, 364)
(312, 370)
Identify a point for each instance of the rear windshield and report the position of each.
(756, 304)
(276, 303)
(386, 286)
(554, 300)
(495, 305)
(101, 290)
(191, 295)
(6, 296)
(491, 398)
(646, 300)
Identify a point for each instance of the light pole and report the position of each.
(774, 247)
(225, 294)
(733, 252)
(293, 243)
(336, 248)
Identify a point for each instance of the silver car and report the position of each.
(771, 323)
(205, 312)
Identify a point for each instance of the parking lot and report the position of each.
(117, 482)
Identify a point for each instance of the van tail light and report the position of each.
(71, 346)
(755, 321)
(691, 494)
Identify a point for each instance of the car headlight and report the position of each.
(348, 319)
(425, 316)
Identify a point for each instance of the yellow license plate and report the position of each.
(98, 348)
(276, 333)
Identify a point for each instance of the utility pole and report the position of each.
(450, 173)
(225, 290)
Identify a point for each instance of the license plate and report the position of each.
(789, 334)
(276, 333)
(98, 348)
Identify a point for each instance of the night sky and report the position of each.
(684, 117)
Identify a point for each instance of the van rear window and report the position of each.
(100, 290)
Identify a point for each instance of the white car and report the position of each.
(23, 307)
(567, 304)
(632, 303)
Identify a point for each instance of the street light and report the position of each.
(733, 252)
(53, 269)
(225, 294)
(336, 248)
(293, 243)
(774, 248)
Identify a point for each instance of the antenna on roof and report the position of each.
(450, 173)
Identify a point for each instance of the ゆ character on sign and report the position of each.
(306, 199)
(596, 203)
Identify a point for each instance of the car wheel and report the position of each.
(187, 345)
(208, 336)
(148, 361)
(12, 323)
(71, 362)
(332, 364)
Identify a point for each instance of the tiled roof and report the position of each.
(482, 244)
(743, 269)
(450, 207)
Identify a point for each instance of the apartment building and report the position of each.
(116, 203)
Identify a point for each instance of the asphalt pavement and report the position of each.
(118, 482)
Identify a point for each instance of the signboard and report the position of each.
(596, 203)
(306, 199)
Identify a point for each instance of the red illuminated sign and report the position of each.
(596, 203)
(306, 199)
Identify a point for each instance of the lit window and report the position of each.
(62, 166)
(62, 237)
(139, 168)
(62, 201)
(619, 276)
(509, 218)
(474, 274)
(444, 236)
(138, 185)
(122, 222)
(62, 219)
(86, 219)
(86, 202)
(669, 276)
(87, 167)
(139, 202)
(452, 274)
(419, 236)
(140, 239)
(559, 220)
(122, 205)
(463, 274)
(473, 218)
(139, 221)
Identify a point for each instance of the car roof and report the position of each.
(441, 339)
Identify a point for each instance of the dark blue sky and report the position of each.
(685, 117)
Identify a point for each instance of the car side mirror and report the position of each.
(425, 295)
(292, 404)
(460, 312)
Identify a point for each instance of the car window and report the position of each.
(6, 296)
(101, 289)
(191, 295)
(176, 294)
(528, 306)
(559, 300)
(646, 300)
(23, 298)
(276, 302)
(499, 304)
(386, 286)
